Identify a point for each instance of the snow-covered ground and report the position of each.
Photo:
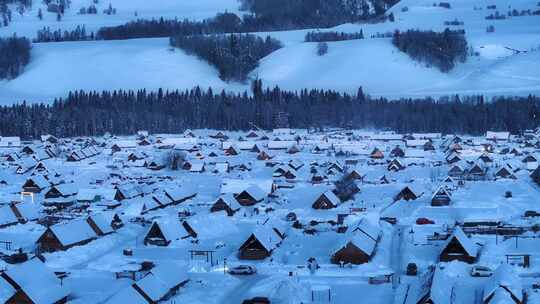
(28, 24)
(129, 177)
(57, 68)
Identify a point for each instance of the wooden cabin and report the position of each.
(250, 196)
(64, 236)
(407, 194)
(326, 200)
(227, 203)
(459, 247)
(260, 244)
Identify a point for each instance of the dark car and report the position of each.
(412, 269)
(424, 221)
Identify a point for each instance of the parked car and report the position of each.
(481, 271)
(424, 221)
(257, 300)
(243, 270)
(412, 269)
(531, 213)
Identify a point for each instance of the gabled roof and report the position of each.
(28, 210)
(67, 189)
(7, 217)
(366, 227)
(102, 223)
(170, 228)
(41, 286)
(267, 236)
(180, 194)
(256, 192)
(162, 279)
(331, 197)
(468, 245)
(505, 277)
(73, 232)
(228, 198)
(39, 180)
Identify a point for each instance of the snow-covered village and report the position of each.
(288, 216)
(269, 151)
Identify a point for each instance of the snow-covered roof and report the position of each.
(212, 226)
(162, 279)
(41, 286)
(229, 199)
(180, 194)
(73, 232)
(102, 222)
(504, 276)
(28, 211)
(256, 192)
(497, 135)
(267, 236)
(7, 217)
(468, 245)
(280, 144)
(10, 142)
(331, 197)
(170, 228)
(415, 142)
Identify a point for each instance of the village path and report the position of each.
(396, 257)
(240, 293)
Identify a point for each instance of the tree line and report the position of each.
(264, 16)
(234, 55)
(124, 112)
(442, 50)
(295, 14)
(78, 34)
(332, 36)
(14, 56)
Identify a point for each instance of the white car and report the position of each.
(243, 269)
(481, 271)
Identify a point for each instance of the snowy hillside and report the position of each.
(28, 23)
(130, 64)
(507, 63)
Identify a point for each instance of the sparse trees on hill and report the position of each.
(233, 55)
(322, 48)
(332, 36)
(442, 50)
(78, 34)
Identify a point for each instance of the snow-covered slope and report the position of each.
(28, 23)
(382, 70)
(57, 68)
(372, 63)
